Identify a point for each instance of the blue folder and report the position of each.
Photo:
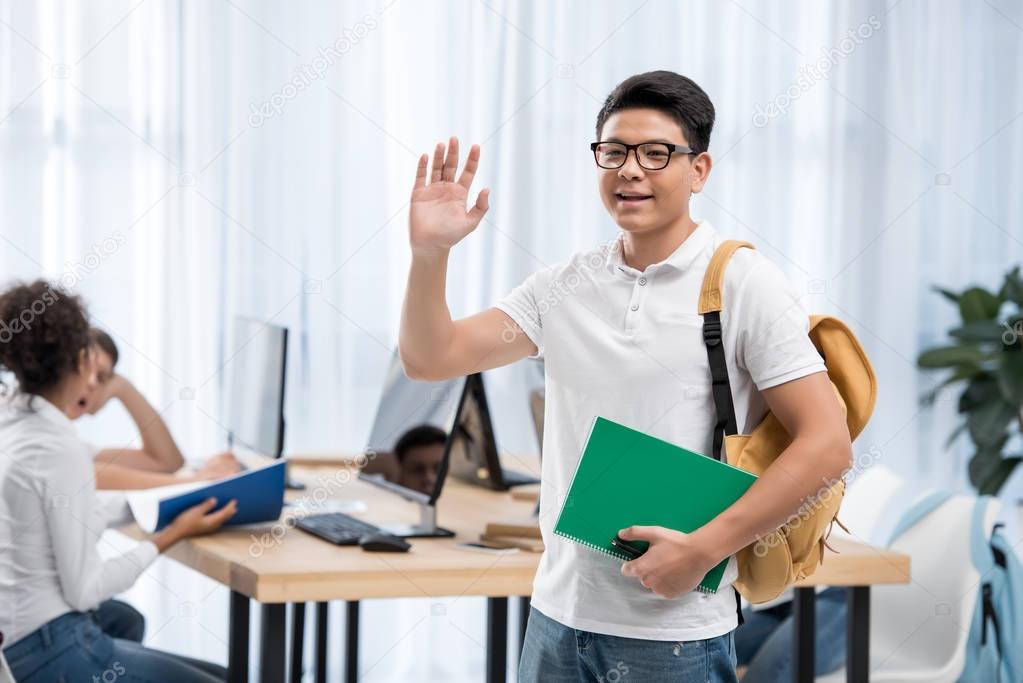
(259, 492)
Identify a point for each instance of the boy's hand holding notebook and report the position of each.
(673, 563)
(626, 478)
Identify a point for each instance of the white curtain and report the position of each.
(181, 163)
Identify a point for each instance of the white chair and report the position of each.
(869, 494)
(918, 631)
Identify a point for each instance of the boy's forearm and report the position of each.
(426, 325)
(800, 475)
(111, 476)
(130, 458)
(157, 441)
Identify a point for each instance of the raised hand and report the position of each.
(438, 218)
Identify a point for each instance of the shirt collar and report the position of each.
(22, 401)
(680, 259)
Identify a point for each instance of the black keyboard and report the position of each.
(337, 527)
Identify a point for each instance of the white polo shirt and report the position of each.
(628, 346)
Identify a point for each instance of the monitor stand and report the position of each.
(426, 528)
(512, 478)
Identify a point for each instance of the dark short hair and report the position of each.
(423, 435)
(43, 329)
(671, 93)
(105, 342)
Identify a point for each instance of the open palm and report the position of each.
(438, 218)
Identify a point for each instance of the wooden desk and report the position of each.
(278, 565)
(260, 561)
(857, 566)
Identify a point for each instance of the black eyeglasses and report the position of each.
(653, 156)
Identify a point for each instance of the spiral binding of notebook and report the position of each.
(619, 555)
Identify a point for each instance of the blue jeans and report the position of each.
(120, 620)
(73, 649)
(765, 640)
(555, 653)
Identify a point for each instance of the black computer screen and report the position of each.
(409, 438)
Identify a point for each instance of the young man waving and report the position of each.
(621, 338)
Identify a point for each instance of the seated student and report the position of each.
(124, 468)
(52, 575)
(159, 457)
(420, 452)
(764, 642)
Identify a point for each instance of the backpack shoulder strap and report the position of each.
(710, 309)
(980, 538)
(714, 278)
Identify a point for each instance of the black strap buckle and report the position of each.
(711, 331)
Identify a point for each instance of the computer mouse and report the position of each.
(384, 543)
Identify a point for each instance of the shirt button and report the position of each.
(635, 307)
(642, 280)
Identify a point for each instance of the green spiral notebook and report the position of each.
(627, 478)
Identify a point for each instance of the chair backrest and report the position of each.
(867, 502)
(922, 627)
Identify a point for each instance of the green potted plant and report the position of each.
(986, 359)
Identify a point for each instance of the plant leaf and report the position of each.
(951, 356)
(1012, 334)
(989, 471)
(948, 294)
(988, 421)
(981, 331)
(1010, 378)
(977, 303)
(963, 372)
(1012, 288)
(980, 390)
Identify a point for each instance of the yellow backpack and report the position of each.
(795, 550)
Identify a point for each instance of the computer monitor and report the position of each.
(474, 456)
(410, 441)
(255, 396)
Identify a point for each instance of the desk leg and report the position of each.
(497, 639)
(352, 642)
(803, 613)
(523, 621)
(857, 644)
(297, 641)
(238, 639)
(321, 642)
(271, 646)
